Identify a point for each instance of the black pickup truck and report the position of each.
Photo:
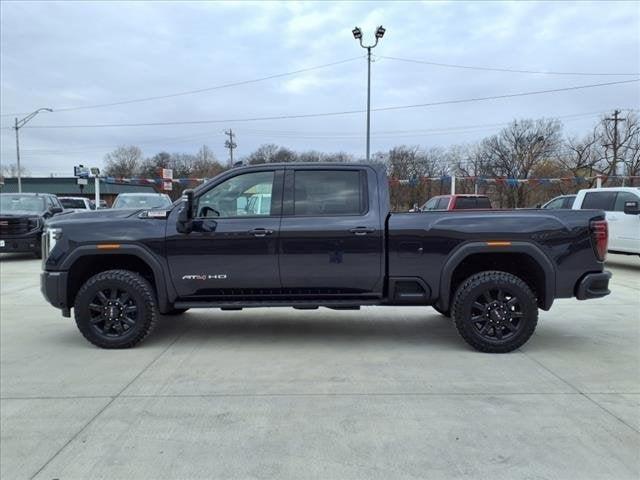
(318, 235)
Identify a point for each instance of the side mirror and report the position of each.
(54, 210)
(185, 216)
(631, 208)
(538, 205)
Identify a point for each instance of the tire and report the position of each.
(495, 312)
(116, 309)
(444, 313)
(175, 311)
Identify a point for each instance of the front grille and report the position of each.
(14, 226)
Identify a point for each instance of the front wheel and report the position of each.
(495, 312)
(116, 309)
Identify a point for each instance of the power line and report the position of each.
(331, 114)
(201, 90)
(508, 70)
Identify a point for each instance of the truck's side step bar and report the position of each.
(299, 304)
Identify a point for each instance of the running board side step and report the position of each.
(297, 304)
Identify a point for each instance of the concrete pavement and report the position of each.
(279, 393)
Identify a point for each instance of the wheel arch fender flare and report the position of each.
(461, 253)
(138, 251)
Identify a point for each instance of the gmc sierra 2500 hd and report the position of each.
(312, 235)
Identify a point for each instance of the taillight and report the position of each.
(599, 238)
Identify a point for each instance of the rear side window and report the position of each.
(329, 192)
(623, 197)
(443, 203)
(465, 203)
(599, 201)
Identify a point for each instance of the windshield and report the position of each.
(142, 201)
(73, 203)
(24, 203)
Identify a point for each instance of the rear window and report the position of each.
(599, 201)
(483, 202)
(72, 203)
(329, 192)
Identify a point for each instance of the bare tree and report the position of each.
(124, 161)
(11, 170)
(517, 150)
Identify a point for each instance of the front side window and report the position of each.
(554, 204)
(244, 195)
(622, 198)
(431, 204)
(329, 192)
(599, 201)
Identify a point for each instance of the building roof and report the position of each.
(69, 186)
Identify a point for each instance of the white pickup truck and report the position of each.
(621, 207)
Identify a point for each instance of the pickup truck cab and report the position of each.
(620, 205)
(320, 235)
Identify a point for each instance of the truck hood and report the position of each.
(95, 215)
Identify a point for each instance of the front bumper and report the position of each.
(593, 285)
(29, 243)
(53, 286)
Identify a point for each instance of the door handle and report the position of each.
(362, 230)
(260, 232)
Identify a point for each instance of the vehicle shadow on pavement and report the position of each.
(16, 257)
(629, 264)
(251, 328)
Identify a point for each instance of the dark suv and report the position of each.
(22, 217)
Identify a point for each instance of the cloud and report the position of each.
(73, 54)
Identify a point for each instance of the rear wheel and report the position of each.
(116, 309)
(495, 311)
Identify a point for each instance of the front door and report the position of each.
(331, 234)
(233, 245)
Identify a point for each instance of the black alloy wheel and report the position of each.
(495, 311)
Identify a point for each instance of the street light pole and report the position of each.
(17, 126)
(357, 34)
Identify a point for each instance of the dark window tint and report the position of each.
(568, 201)
(599, 201)
(329, 192)
(483, 202)
(73, 203)
(443, 204)
(622, 198)
(465, 203)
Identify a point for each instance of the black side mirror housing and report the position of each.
(631, 208)
(185, 216)
(55, 210)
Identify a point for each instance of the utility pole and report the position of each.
(230, 144)
(615, 146)
(357, 34)
(17, 126)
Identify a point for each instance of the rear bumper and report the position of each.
(28, 243)
(593, 285)
(53, 286)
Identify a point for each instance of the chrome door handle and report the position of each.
(362, 230)
(260, 232)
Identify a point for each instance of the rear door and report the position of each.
(332, 231)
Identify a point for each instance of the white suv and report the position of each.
(623, 216)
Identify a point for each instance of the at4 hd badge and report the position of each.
(217, 276)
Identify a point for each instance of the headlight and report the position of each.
(34, 222)
(49, 239)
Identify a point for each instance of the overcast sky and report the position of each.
(73, 54)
